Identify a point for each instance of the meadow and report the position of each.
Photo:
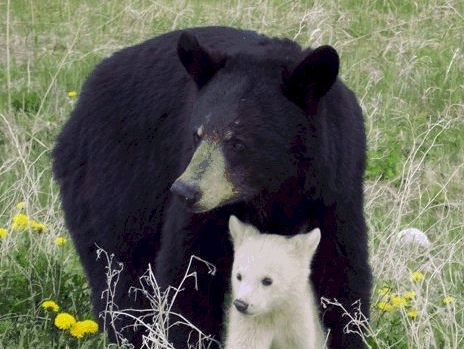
(405, 61)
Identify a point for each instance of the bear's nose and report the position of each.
(188, 192)
(241, 305)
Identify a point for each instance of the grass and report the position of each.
(404, 59)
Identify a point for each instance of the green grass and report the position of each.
(405, 61)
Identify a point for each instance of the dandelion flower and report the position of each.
(50, 305)
(81, 328)
(39, 227)
(90, 326)
(448, 300)
(21, 205)
(3, 232)
(409, 295)
(64, 321)
(384, 291)
(72, 94)
(77, 330)
(20, 222)
(417, 276)
(60, 241)
(384, 306)
(398, 301)
(412, 314)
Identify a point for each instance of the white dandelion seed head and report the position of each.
(414, 236)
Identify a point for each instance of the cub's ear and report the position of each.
(312, 78)
(239, 231)
(199, 62)
(306, 244)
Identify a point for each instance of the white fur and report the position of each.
(282, 315)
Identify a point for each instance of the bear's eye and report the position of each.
(238, 146)
(239, 277)
(266, 281)
(196, 138)
(197, 135)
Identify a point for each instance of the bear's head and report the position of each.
(269, 270)
(249, 123)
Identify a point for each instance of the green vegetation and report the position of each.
(405, 61)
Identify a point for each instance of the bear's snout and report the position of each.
(241, 305)
(187, 192)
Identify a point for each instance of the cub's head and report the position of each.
(268, 269)
(248, 123)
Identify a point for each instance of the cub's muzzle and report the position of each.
(241, 306)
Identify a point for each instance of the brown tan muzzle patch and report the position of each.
(204, 185)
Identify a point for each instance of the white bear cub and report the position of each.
(273, 305)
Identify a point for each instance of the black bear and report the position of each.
(172, 136)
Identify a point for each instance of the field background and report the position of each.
(404, 59)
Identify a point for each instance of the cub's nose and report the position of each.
(188, 192)
(241, 305)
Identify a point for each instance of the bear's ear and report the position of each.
(200, 63)
(312, 78)
(306, 245)
(239, 231)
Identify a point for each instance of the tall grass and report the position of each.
(404, 59)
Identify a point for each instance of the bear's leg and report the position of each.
(123, 302)
(202, 296)
(97, 274)
(335, 321)
(203, 308)
(340, 271)
(121, 299)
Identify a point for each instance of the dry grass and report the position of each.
(404, 59)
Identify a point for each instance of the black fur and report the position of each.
(198, 62)
(300, 166)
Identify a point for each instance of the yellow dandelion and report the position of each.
(20, 222)
(412, 314)
(50, 305)
(384, 306)
(81, 328)
(3, 232)
(398, 301)
(21, 205)
(384, 291)
(60, 241)
(77, 330)
(39, 227)
(64, 321)
(72, 94)
(417, 276)
(448, 300)
(90, 326)
(409, 295)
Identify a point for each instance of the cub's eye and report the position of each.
(239, 277)
(238, 146)
(266, 281)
